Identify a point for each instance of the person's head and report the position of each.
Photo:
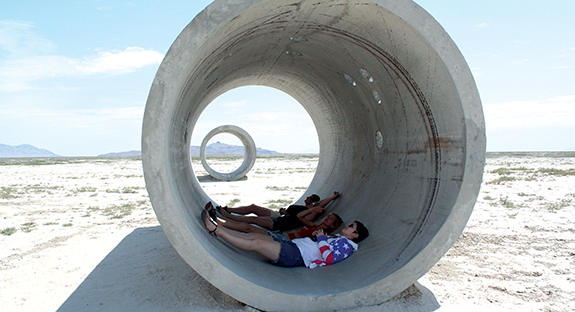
(355, 231)
(313, 198)
(331, 223)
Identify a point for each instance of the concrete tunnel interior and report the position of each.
(400, 128)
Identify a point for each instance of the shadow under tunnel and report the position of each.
(145, 273)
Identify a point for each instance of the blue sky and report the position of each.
(75, 75)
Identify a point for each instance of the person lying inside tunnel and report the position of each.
(329, 224)
(307, 252)
(285, 220)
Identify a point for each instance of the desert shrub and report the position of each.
(8, 192)
(279, 203)
(557, 172)
(505, 202)
(233, 202)
(8, 231)
(27, 227)
(502, 179)
(277, 188)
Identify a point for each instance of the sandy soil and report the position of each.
(80, 235)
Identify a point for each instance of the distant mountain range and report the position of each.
(217, 148)
(24, 150)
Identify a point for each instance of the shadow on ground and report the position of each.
(209, 178)
(145, 273)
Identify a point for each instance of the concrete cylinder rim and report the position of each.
(205, 271)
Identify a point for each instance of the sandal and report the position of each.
(209, 206)
(220, 208)
(212, 214)
(205, 217)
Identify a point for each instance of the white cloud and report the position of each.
(16, 75)
(119, 62)
(18, 39)
(558, 111)
(482, 25)
(99, 115)
(30, 58)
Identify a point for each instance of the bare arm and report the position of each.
(306, 216)
(326, 201)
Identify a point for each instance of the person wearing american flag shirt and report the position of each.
(329, 250)
(298, 252)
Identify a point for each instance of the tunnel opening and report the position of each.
(224, 162)
(282, 131)
(399, 124)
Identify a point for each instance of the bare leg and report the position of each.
(265, 222)
(241, 226)
(251, 235)
(269, 249)
(255, 209)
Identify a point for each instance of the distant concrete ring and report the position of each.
(249, 156)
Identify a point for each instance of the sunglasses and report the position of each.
(351, 225)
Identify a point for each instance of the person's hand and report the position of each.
(319, 209)
(283, 211)
(318, 233)
(335, 194)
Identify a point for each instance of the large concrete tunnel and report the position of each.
(400, 127)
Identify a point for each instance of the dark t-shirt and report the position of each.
(289, 221)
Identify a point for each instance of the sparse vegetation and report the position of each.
(130, 189)
(85, 189)
(279, 203)
(116, 211)
(505, 202)
(554, 207)
(508, 171)
(502, 179)
(233, 202)
(28, 227)
(8, 192)
(8, 231)
(557, 172)
(277, 188)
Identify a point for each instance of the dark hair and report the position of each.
(315, 198)
(361, 231)
(336, 224)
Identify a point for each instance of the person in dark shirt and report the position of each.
(284, 220)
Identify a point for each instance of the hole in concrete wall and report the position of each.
(376, 96)
(298, 39)
(283, 132)
(366, 75)
(378, 139)
(294, 53)
(350, 80)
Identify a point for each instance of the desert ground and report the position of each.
(80, 234)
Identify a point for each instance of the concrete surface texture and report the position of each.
(400, 128)
(249, 154)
